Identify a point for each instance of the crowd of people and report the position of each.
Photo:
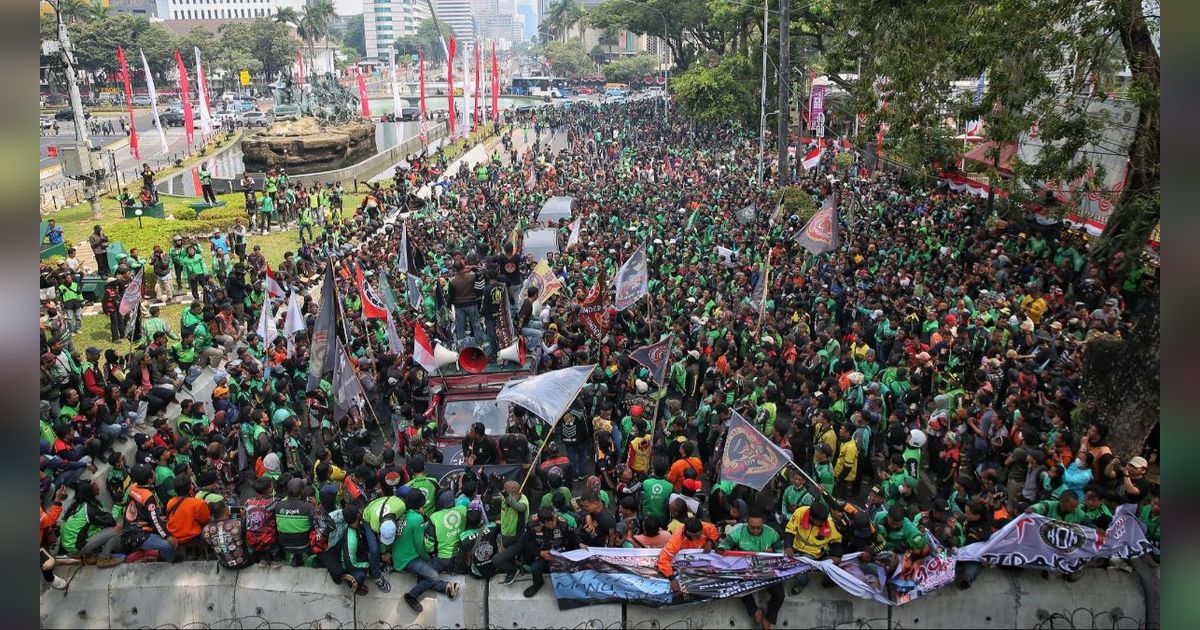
(923, 375)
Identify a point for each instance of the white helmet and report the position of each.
(916, 438)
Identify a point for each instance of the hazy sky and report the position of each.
(348, 7)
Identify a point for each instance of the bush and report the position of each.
(184, 214)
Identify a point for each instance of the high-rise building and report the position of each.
(223, 9)
(385, 21)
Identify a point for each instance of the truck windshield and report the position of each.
(461, 414)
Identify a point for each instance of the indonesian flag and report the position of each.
(812, 158)
(373, 306)
(423, 350)
(273, 288)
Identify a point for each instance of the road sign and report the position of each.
(245, 77)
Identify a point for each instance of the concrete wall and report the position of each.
(197, 595)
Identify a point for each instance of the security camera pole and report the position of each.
(91, 179)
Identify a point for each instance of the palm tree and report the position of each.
(314, 23)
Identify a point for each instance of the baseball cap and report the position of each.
(387, 532)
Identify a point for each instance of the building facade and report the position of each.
(384, 21)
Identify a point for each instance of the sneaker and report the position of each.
(108, 563)
(532, 590)
(383, 584)
(452, 591)
(413, 603)
(510, 578)
(59, 583)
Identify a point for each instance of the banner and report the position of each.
(133, 143)
(1037, 542)
(495, 86)
(547, 395)
(373, 306)
(424, 112)
(656, 357)
(162, 136)
(362, 94)
(820, 234)
(632, 280)
(450, 82)
(206, 121)
(324, 331)
(593, 311)
(346, 388)
(132, 296)
(188, 128)
(749, 458)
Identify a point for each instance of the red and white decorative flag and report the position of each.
(133, 143)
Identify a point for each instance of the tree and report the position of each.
(566, 59)
(718, 93)
(627, 70)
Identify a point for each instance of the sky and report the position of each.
(348, 7)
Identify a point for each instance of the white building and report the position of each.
(223, 9)
(384, 21)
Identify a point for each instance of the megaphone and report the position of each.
(472, 359)
(514, 352)
(443, 355)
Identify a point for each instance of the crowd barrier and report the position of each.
(197, 595)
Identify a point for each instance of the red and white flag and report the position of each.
(273, 288)
(812, 158)
(422, 349)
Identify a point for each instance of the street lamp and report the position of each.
(138, 212)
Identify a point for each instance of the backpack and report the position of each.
(260, 523)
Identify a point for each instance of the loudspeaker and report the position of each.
(472, 359)
(444, 355)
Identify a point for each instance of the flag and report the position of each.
(1037, 542)
(320, 359)
(749, 457)
(373, 306)
(346, 388)
(206, 121)
(424, 112)
(475, 46)
(385, 292)
(812, 158)
(162, 136)
(547, 395)
(395, 344)
(273, 288)
(188, 128)
(397, 107)
(546, 280)
(820, 234)
(132, 296)
(593, 311)
(267, 329)
(450, 81)
(133, 143)
(656, 357)
(632, 280)
(362, 94)
(422, 349)
(495, 86)
(294, 323)
(574, 236)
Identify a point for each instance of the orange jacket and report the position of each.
(675, 476)
(679, 540)
(48, 520)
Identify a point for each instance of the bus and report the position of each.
(553, 87)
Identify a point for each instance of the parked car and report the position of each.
(257, 119)
(69, 114)
(141, 101)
